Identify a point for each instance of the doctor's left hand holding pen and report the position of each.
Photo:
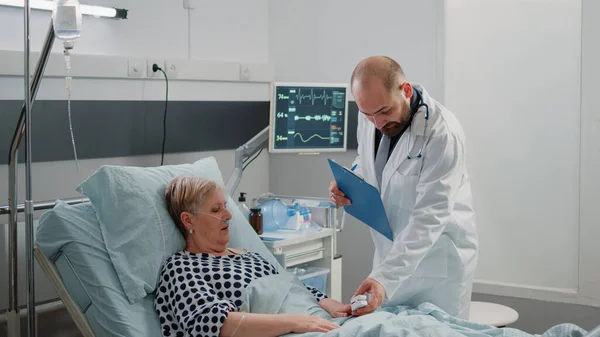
(337, 197)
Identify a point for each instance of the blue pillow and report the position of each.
(137, 229)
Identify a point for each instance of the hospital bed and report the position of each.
(103, 257)
(98, 272)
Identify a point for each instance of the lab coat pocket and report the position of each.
(409, 167)
(404, 190)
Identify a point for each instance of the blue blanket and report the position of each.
(285, 294)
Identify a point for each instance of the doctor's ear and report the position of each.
(406, 89)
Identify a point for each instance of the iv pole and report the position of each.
(31, 86)
(13, 209)
(31, 315)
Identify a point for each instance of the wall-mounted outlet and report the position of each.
(136, 68)
(244, 73)
(150, 73)
(171, 69)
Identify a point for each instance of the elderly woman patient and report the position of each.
(200, 288)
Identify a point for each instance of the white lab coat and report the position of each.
(429, 206)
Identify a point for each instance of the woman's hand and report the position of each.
(334, 308)
(307, 323)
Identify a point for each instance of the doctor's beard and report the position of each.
(393, 128)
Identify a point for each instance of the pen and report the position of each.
(353, 167)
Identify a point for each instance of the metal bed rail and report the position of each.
(13, 314)
(42, 205)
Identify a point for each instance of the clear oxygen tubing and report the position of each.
(68, 46)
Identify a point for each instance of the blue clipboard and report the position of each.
(366, 201)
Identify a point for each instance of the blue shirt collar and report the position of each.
(416, 98)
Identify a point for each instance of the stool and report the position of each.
(492, 314)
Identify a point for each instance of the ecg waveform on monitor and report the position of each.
(297, 134)
(324, 118)
(313, 96)
(280, 138)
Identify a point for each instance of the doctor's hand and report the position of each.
(337, 197)
(377, 292)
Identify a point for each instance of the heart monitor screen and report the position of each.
(309, 118)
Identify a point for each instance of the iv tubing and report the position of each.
(68, 79)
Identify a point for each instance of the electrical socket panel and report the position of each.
(244, 73)
(171, 68)
(150, 73)
(136, 68)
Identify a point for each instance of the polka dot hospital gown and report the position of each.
(196, 291)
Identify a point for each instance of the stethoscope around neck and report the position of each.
(417, 128)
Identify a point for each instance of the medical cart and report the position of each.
(311, 255)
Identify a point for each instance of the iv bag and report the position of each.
(67, 19)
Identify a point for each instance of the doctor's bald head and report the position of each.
(381, 70)
(382, 93)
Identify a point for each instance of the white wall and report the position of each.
(589, 231)
(233, 31)
(322, 41)
(513, 77)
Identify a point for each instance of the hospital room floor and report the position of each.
(54, 324)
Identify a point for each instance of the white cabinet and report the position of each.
(308, 249)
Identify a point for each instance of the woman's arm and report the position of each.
(316, 293)
(335, 308)
(266, 325)
(192, 304)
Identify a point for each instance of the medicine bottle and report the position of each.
(243, 207)
(256, 220)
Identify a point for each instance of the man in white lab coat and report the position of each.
(413, 149)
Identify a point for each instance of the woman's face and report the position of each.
(209, 222)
